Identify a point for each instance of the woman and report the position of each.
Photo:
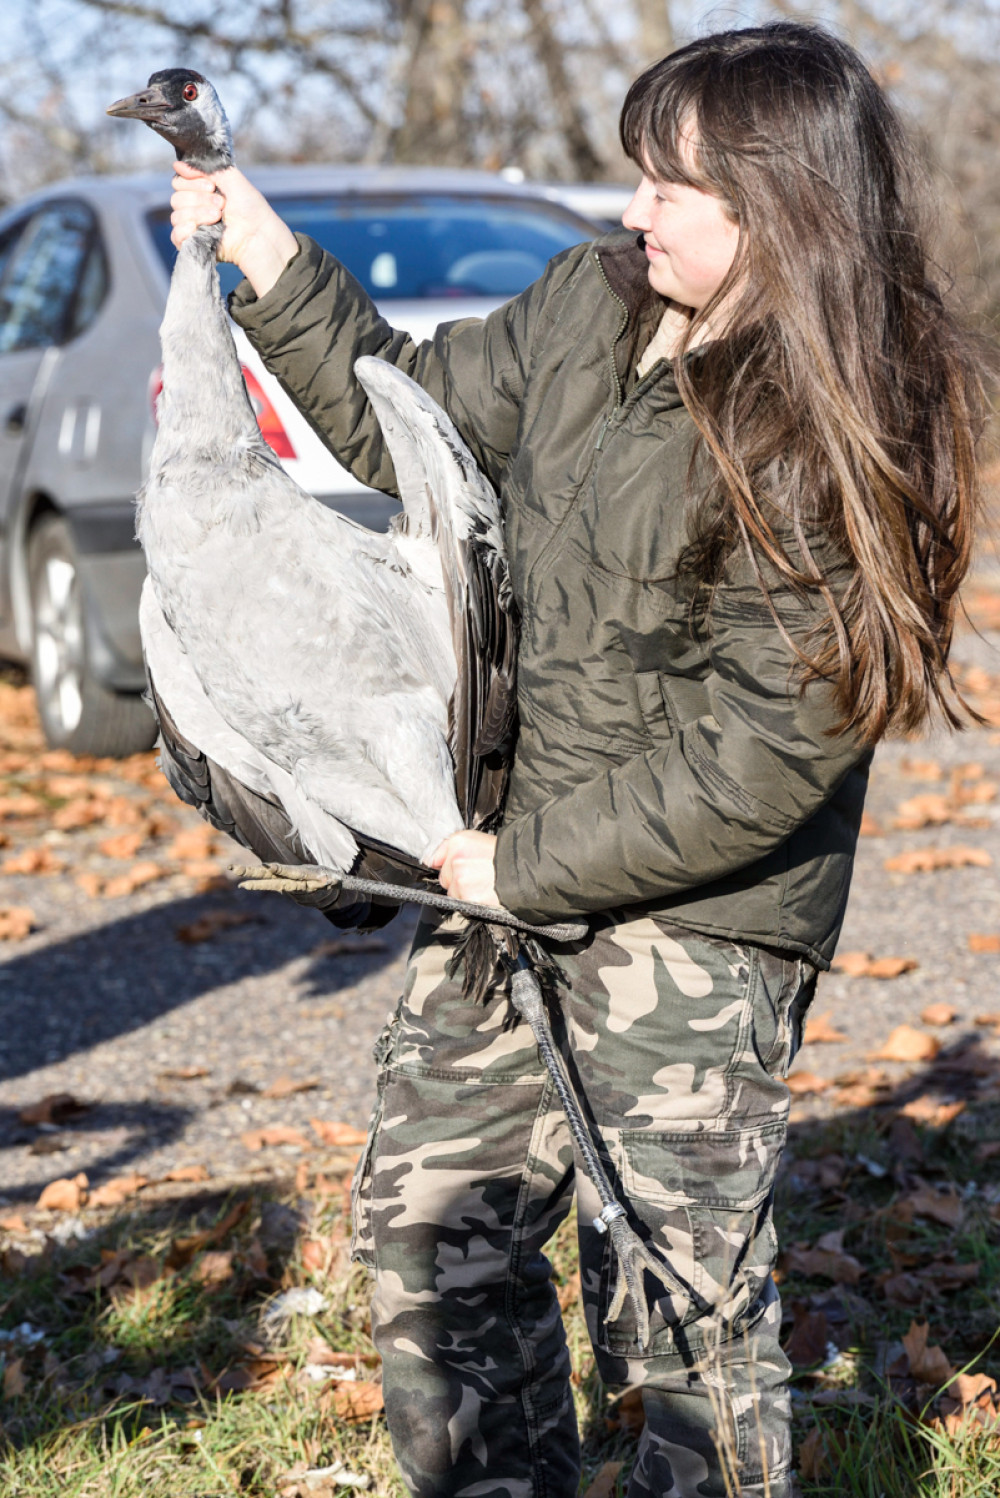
(735, 448)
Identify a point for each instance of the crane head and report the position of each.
(184, 108)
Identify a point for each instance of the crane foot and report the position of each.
(633, 1258)
(285, 878)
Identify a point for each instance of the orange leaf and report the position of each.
(194, 842)
(801, 1083)
(81, 812)
(21, 806)
(188, 1173)
(91, 884)
(357, 1401)
(939, 1014)
(337, 1133)
(821, 1031)
(286, 1086)
(32, 861)
(184, 1073)
(214, 1267)
(861, 965)
(138, 875)
(908, 1044)
(927, 1110)
(929, 860)
(869, 827)
(931, 809)
(64, 1195)
(116, 1191)
(13, 1379)
(921, 769)
(124, 845)
(980, 942)
(16, 922)
(256, 1139)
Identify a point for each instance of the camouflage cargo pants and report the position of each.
(677, 1044)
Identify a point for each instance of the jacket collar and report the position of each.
(626, 270)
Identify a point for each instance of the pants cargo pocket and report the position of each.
(705, 1201)
(362, 1237)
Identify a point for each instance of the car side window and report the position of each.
(48, 269)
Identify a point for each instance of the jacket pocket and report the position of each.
(654, 705)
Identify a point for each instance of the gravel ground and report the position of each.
(104, 1000)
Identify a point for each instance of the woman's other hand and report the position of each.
(465, 861)
(255, 238)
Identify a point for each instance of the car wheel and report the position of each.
(77, 712)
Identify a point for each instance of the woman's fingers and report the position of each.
(465, 867)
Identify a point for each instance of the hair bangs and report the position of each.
(659, 126)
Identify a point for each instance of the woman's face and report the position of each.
(690, 239)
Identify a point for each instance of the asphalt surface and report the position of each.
(108, 1002)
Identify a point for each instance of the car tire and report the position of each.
(76, 711)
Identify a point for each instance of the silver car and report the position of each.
(84, 270)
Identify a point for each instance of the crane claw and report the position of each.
(285, 878)
(633, 1258)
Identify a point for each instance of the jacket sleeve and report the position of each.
(724, 791)
(317, 320)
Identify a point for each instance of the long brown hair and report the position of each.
(843, 399)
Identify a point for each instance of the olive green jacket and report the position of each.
(666, 757)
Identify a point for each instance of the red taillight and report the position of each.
(268, 419)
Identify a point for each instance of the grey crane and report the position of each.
(339, 701)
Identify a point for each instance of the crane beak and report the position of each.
(149, 105)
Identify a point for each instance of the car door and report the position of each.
(40, 273)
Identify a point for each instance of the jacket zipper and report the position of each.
(623, 324)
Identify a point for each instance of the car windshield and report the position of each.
(426, 245)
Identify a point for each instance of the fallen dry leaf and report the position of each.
(991, 1020)
(603, 1485)
(931, 1111)
(929, 860)
(569, 1293)
(211, 923)
(33, 861)
(869, 827)
(321, 1353)
(118, 1190)
(287, 1086)
(184, 1073)
(16, 922)
(928, 1365)
(54, 1108)
(194, 842)
(807, 1344)
(121, 811)
(188, 1173)
(214, 1267)
(64, 1195)
(939, 1014)
(82, 812)
(183, 1250)
(931, 809)
(984, 942)
(337, 1133)
(14, 1383)
(124, 845)
(802, 1083)
(945, 1206)
(13, 1222)
(821, 1031)
(91, 884)
(861, 965)
(345, 946)
(21, 805)
(138, 875)
(257, 1139)
(822, 1263)
(814, 1457)
(357, 1401)
(921, 769)
(906, 1043)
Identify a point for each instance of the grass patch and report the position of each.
(159, 1356)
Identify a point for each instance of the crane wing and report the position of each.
(451, 508)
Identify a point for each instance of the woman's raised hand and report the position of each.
(255, 238)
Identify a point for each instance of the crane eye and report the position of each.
(190, 92)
